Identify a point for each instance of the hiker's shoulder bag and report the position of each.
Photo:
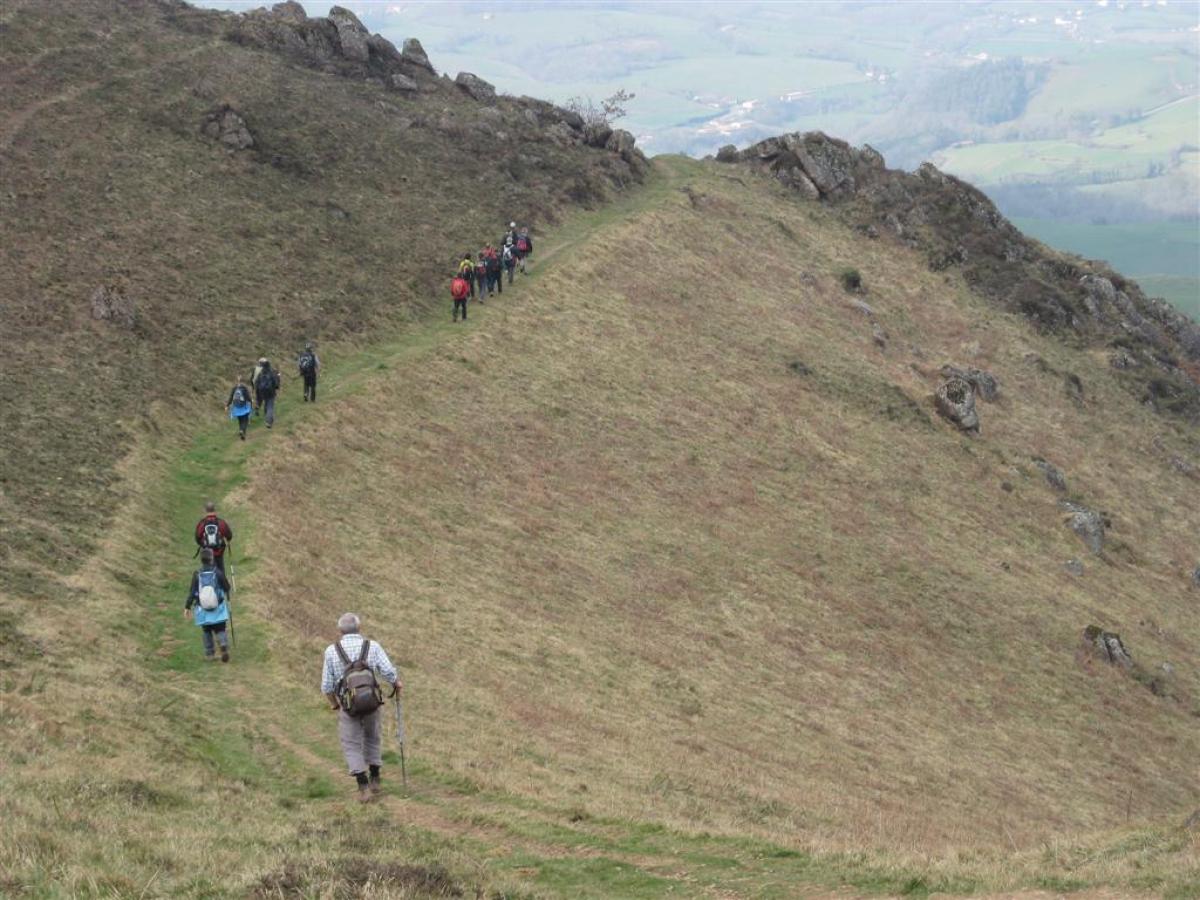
(358, 691)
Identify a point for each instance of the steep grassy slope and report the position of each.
(693, 592)
(676, 617)
(343, 218)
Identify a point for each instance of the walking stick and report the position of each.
(229, 602)
(400, 739)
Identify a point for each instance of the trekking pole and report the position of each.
(229, 601)
(400, 739)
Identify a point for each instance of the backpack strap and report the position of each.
(362, 654)
(337, 645)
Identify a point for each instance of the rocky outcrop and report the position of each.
(475, 87)
(596, 134)
(956, 226)
(1087, 523)
(111, 304)
(986, 384)
(1106, 645)
(414, 54)
(226, 126)
(336, 43)
(401, 82)
(1054, 477)
(955, 400)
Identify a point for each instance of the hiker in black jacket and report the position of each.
(309, 365)
(265, 387)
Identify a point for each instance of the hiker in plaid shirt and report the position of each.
(359, 735)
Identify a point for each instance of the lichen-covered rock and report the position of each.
(1054, 477)
(476, 87)
(1087, 523)
(111, 304)
(1106, 645)
(401, 82)
(382, 48)
(955, 400)
(727, 154)
(621, 142)
(986, 384)
(227, 126)
(414, 53)
(352, 36)
(289, 11)
(596, 134)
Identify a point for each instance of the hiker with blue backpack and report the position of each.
(239, 406)
(207, 605)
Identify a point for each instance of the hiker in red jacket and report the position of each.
(459, 291)
(213, 533)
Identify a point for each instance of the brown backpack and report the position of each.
(358, 691)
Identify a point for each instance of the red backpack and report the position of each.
(522, 244)
(459, 289)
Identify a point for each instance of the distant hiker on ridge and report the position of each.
(266, 385)
(466, 271)
(209, 596)
(239, 406)
(494, 274)
(481, 275)
(459, 293)
(309, 365)
(510, 261)
(349, 683)
(524, 247)
(213, 533)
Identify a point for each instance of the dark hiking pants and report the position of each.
(310, 387)
(207, 634)
(243, 424)
(460, 305)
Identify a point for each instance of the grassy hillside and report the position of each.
(342, 219)
(693, 592)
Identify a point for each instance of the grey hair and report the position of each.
(348, 623)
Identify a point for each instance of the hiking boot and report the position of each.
(376, 785)
(242, 435)
(364, 794)
(224, 655)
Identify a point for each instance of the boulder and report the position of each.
(414, 53)
(227, 126)
(985, 383)
(531, 117)
(827, 163)
(351, 34)
(562, 133)
(798, 181)
(1106, 645)
(383, 48)
(1087, 523)
(955, 400)
(110, 304)
(622, 143)
(289, 11)
(1054, 477)
(401, 82)
(596, 134)
(476, 87)
(728, 154)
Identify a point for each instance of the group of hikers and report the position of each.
(478, 276)
(258, 397)
(353, 666)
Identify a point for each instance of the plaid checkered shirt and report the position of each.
(377, 660)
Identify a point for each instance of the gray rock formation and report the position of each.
(985, 383)
(110, 304)
(622, 143)
(596, 134)
(1087, 523)
(728, 153)
(476, 87)
(1106, 645)
(1054, 477)
(381, 47)
(415, 54)
(955, 400)
(401, 82)
(352, 36)
(227, 126)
